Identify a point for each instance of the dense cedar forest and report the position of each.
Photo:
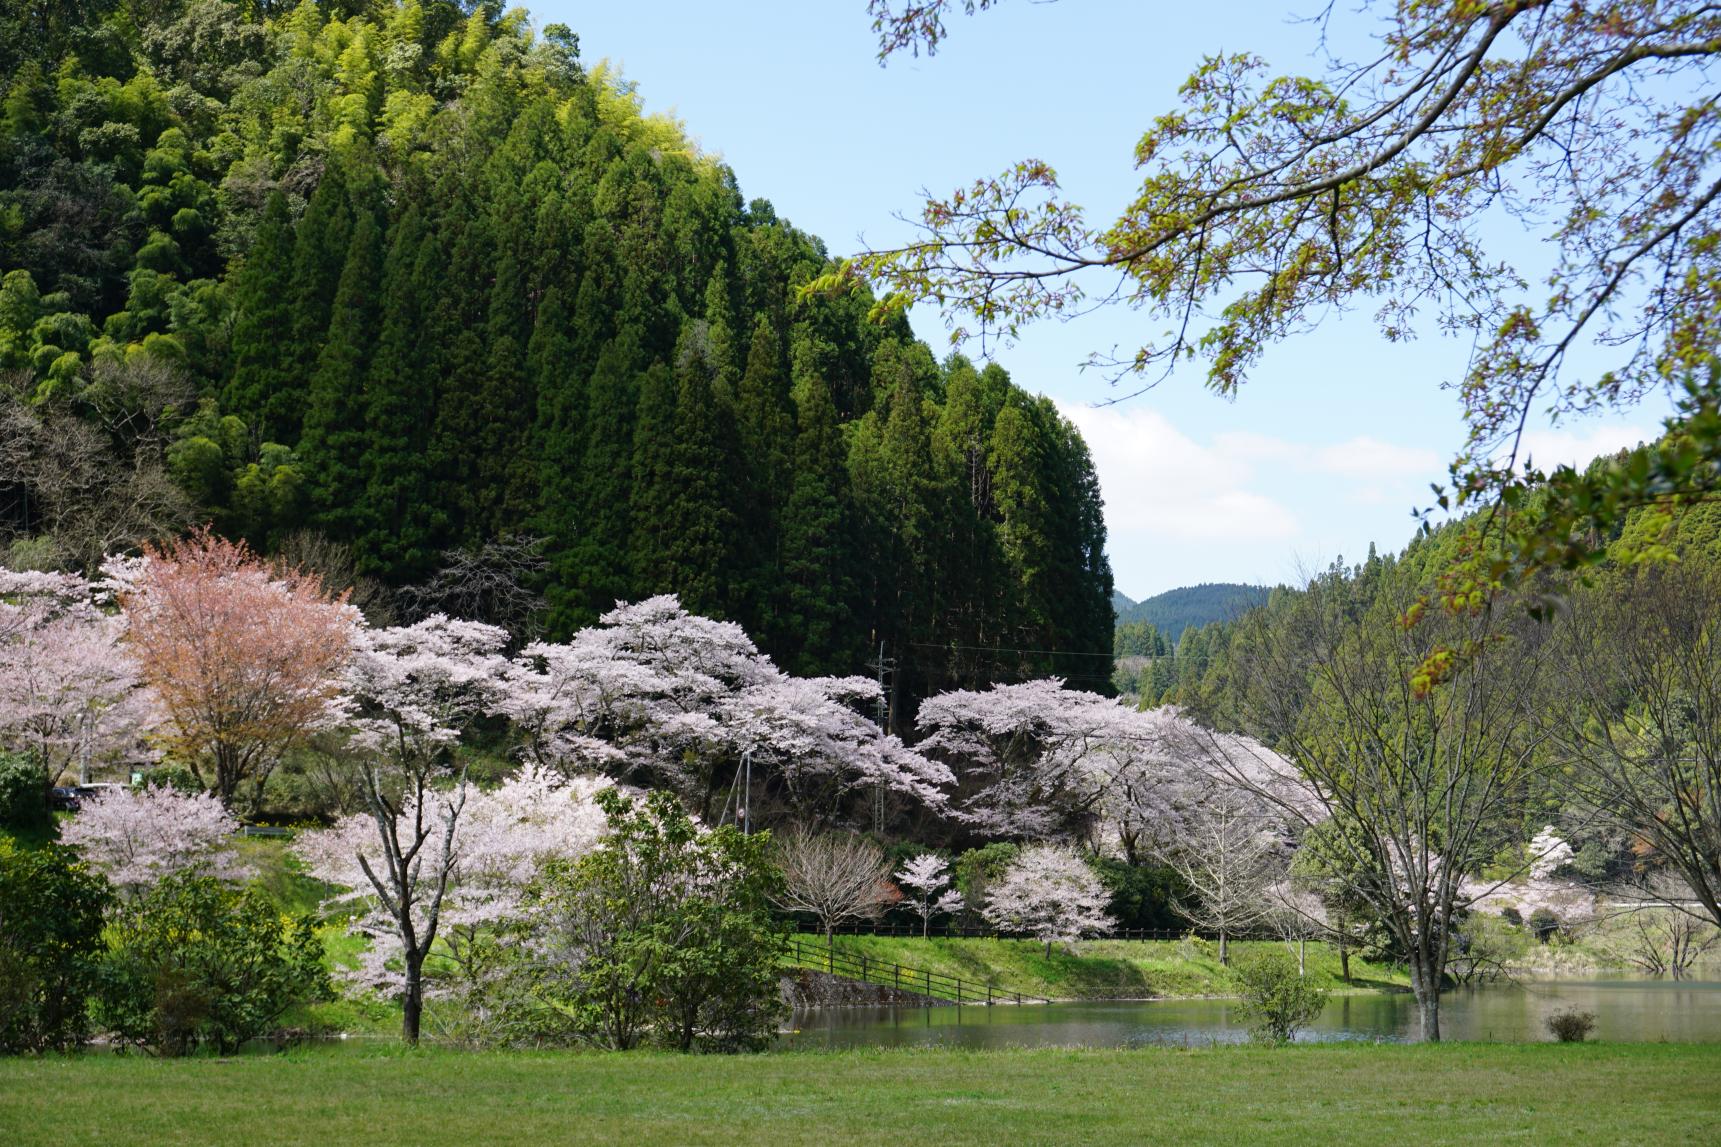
(401, 288)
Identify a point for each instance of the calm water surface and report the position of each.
(1626, 1009)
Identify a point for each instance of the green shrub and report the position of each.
(1277, 1001)
(195, 964)
(23, 795)
(1544, 925)
(1142, 895)
(1572, 1026)
(50, 947)
(975, 871)
(1512, 916)
(666, 931)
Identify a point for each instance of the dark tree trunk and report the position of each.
(412, 1010)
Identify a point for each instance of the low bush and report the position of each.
(1278, 1001)
(23, 795)
(666, 932)
(1544, 925)
(197, 964)
(1572, 1026)
(50, 946)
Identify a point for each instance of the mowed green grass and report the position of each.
(1332, 1094)
(1101, 969)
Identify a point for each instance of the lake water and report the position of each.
(1626, 1009)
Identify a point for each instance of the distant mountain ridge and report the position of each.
(1175, 610)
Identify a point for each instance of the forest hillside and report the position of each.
(404, 291)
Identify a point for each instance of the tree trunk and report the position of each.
(412, 1009)
(1048, 949)
(1344, 959)
(1224, 948)
(1425, 983)
(1302, 956)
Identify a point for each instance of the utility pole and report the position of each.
(747, 793)
(883, 731)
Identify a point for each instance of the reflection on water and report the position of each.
(1625, 1009)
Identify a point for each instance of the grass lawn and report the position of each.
(1102, 969)
(1327, 1094)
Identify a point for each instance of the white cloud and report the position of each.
(1550, 448)
(1157, 481)
(1360, 457)
(1243, 505)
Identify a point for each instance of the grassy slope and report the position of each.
(1101, 969)
(1331, 1094)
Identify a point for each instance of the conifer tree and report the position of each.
(458, 320)
(594, 572)
(654, 492)
(397, 542)
(263, 325)
(698, 560)
(334, 442)
(504, 471)
(765, 429)
(558, 429)
(816, 630)
(320, 252)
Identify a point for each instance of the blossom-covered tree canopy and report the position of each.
(69, 694)
(1049, 893)
(139, 837)
(241, 659)
(659, 695)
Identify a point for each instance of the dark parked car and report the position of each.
(62, 799)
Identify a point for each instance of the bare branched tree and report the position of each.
(1415, 774)
(1229, 857)
(834, 876)
(492, 583)
(1640, 723)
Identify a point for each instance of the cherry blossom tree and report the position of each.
(242, 662)
(1029, 754)
(661, 697)
(139, 837)
(1549, 853)
(69, 694)
(502, 841)
(834, 876)
(410, 693)
(926, 882)
(1051, 894)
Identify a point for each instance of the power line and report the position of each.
(1009, 649)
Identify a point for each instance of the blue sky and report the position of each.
(1339, 433)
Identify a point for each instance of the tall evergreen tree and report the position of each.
(765, 429)
(818, 627)
(334, 444)
(457, 321)
(505, 472)
(698, 561)
(320, 252)
(263, 349)
(594, 572)
(654, 490)
(398, 535)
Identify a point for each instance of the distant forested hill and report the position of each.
(404, 289)
(1175, 610)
